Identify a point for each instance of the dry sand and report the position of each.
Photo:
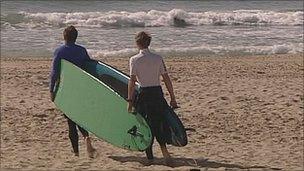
(247, 113)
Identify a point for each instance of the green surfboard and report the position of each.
(99, 109)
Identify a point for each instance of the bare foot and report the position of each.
(149, 162)
(92, 153)
(169, 161)
(167, 156)
(165, 152)
(90, 150)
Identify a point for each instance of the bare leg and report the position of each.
(165, 151)
(91, 151)
(149, 153)
(166, 154)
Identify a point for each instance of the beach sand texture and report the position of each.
(247, 113)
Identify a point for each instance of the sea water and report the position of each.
(178, 28)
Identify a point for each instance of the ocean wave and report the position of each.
(206, 50)
(155, 18)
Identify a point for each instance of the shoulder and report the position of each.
(156, 56)
(80, 47)
(134, 58)
(59, 50)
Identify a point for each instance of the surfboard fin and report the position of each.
(133, 131)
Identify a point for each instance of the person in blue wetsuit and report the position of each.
(77, 55)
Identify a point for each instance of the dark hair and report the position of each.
(143, 39)
(70, 34)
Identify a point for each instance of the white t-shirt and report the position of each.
(147, 67)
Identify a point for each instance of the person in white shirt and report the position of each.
(146, 69)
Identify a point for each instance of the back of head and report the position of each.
(143, 39)
(70, 34)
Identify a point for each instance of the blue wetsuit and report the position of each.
(71, 52)
(77, 55)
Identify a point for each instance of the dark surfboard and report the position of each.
(118, 81)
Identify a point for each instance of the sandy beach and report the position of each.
(247, 113)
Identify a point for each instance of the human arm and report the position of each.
(168, 83)
(87, 56)
(169, 87)
(131, 85)
(131, 89)
(54, 77)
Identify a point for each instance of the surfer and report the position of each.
(77, 55)
(146, 68)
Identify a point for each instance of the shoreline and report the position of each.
(247, 112)
(211, 56)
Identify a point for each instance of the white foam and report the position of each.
(154, 18)
(8, 26)
(118, 53)
(205, 50)
(280, 49)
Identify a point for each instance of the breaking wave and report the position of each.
(207, 50)
(153, 18)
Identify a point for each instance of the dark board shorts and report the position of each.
(151, 104)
